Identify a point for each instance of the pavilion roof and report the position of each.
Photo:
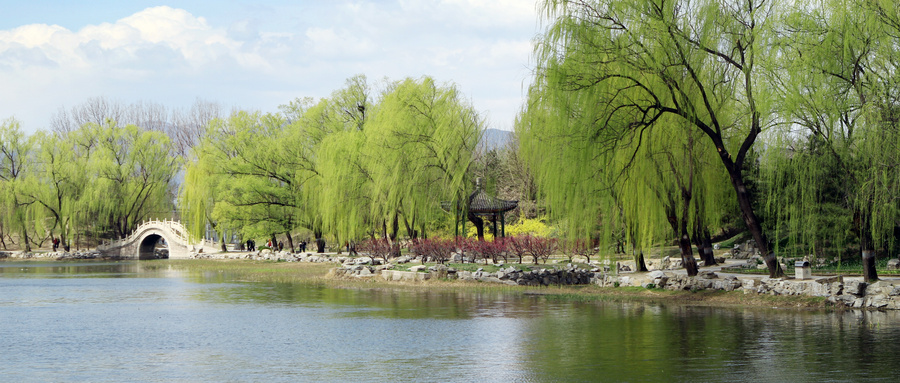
(480, 203)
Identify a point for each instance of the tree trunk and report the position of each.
(639, 263)
(752, 222)
(223, 246)
(687, 254)
(289, 240)
(320, 245)
(395, 234)
(867, 247)
(706, 251)
(320, 242)
(410, 231)
(704, 246)
(395, 227)
(684, 240)
(25, 241)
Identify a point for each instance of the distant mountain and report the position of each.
(495, 138)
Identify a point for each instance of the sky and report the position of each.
(256, 55)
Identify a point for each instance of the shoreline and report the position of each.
(323, 274)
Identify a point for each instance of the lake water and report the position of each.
(115, 322)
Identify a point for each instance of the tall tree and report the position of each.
(132, 170)
(838, 81)
(15, 164)
(629, 63)
(58, 181)
(423, 135)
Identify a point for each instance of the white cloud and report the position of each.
(269, 56)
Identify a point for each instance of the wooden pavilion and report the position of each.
(477, 208)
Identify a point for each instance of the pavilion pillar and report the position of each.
(503, 225)
(494, 221)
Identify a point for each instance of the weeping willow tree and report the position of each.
(343, 165)
(243, 178)
(663, 186)
(15, 163)
(420, 145)
(331, 134)
(201, 190)
(58, 182)
(688, 187)
(630, 63)
(344, 202)
(132, 169)
(837, 173)
(267, 174)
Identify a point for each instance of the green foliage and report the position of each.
(348, 165)
(625, 122)
(245, 175)
(96, 180)
(832, 182)
(420, 143)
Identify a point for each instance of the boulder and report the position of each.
(895, 291)
(706, 274)
(403, 259)
(857, 288)
(833, 279)
(893, 264)
(665, 263)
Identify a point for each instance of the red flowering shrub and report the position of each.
(519, 246)
(377, 247)
(434, 249)
(541, 248)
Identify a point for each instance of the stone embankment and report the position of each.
(837, 290)
(57, 255)
(848, 292)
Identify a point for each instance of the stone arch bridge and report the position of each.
(142, 242)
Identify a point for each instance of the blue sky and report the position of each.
(257, 54)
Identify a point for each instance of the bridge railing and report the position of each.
(175, 227)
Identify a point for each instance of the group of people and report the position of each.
(275, 245)
(250, 245)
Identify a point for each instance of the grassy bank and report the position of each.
(317, 274)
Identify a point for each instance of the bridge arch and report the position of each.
(141, 243)
(147, 245)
